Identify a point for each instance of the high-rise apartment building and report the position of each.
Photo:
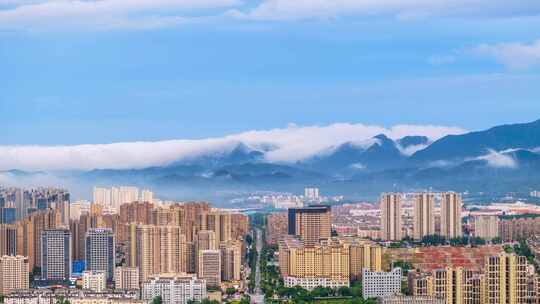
(231, 260)
(312, 224)
(391, 216)
(486, 226)
(209, 267)
(100, 251)
(8, 239)
(95, 281)
(147, 196)
(174, 289)
(451, 203)
(276, 227)
(311, 194)
(56, 254)
(13, 273)
(160, 249)
(424, 218)
(126, 278)
(206, 240)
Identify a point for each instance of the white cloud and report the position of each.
(105, 14)
(403, 9)
(499, 160)
(512, 55)
(410, 150)
(284, 145)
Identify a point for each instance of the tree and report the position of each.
(156, 300)
(344, 291)
(230, 291)
(62, 300)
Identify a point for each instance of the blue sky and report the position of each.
(125, 70)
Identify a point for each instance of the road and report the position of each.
(258, 296)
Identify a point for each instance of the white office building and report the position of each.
(174, 289)
(377, 284)
(310, 283)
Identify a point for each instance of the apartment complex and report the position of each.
(13, 273)
(504, 278)
(311, 224)
(391, 216)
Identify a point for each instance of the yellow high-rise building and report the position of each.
(13, 273)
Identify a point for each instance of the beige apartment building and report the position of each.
(391, 216)
(451, 204)
(424, 218)
(13, 273)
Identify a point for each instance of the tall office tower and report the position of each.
(100, 251)
(174, 289)
(506, 279)
(325, 264)
(486, 226)
(209, 267)
(311, 194)
(13, 273)
(231, 260)
(451, 215)
(160, 249)
(391, 216)
(126, 278)
(147, 196)
(20, 204)
(363, 255)
(424, 219)
(312, 224)
(95, 281)
(8, 239)
(56, 254)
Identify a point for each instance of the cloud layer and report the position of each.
(147, 14)
(283, 145)
(512, 55)
(403, 9)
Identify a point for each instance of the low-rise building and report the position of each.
(174, 289)
(95, 281)
(378, 284)
(410, 300)
(74, 296)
